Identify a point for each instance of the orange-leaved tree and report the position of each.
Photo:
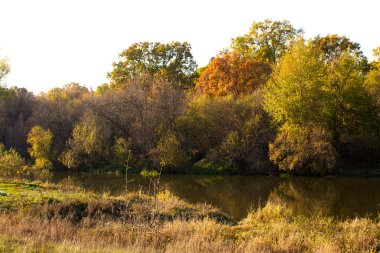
(232, 73)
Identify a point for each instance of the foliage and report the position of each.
(293, 91)
(89, 142)
(303, 148)
(334, 47)
(173, 61)
(307, 90)
(229, 132)
(372, 81)
(232, 73)
(12, 165)
(122, 149)
(311, 105)
(206, 167)
(171, 154)
(267, 41)
(4, 69)
(40, 141)
(372, 84)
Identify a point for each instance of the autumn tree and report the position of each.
(334, 46)
(226, 134)
(40, 141)
(373, 78)
(308, 92)
(16, 109)
(89, 144)
(267, 41)
(58, 110)
(232, 73)
(173, 61)
(143, 110)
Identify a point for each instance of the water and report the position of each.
(236, 195)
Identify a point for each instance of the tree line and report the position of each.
(271, 101)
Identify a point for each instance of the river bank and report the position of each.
(60, 218)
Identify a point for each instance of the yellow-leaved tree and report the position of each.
(40, 141)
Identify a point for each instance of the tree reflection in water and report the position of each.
(236, 195)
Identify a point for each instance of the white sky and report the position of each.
(53, 42)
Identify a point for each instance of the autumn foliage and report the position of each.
(232, 73)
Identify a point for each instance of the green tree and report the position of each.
(40, 141)
(306, 90)
(293, 93)
(173, 61)
(267, 41)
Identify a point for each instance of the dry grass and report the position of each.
(123, 224)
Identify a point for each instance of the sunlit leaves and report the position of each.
(173, 61)
(40, 141)
(234, 74)
(267, 41)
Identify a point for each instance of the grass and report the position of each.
(62, 218)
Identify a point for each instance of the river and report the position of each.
(236, 195)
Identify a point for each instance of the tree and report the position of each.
(40, 141)
(89, 144)
(306, 90)
(376, 63)
(142, 111)
(173, 61)
(267, 41)
(58, 110)
(16, 108)
(4, 69)
(372, 81)
(293, 92)
(334, 46)
(232, 73)
(227, 134)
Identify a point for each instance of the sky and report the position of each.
(50, 43)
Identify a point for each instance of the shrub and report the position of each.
(308, 148)
(170, 153)
(11, 164)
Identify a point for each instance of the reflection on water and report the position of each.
(236, 195)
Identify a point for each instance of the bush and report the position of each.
(308, 148)
(11, 164)
(170, 153)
